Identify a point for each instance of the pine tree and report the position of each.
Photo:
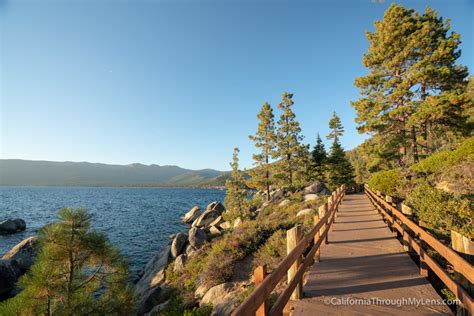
(265, 140)
(384, 106)
(414, 91)
(236, 195)
(77, 272)
(318, 160)
(439, 84)
(336, 127)
(339, 168)
(289, 149)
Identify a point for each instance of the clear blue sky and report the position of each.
(180, 82)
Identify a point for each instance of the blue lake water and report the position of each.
(137, 220)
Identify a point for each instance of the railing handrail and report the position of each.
(459, 264)
(263, 291)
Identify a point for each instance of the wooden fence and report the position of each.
(417, 239)
(294, 265)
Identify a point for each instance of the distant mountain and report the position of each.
(50, 173)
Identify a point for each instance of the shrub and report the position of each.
(446, 158)
(273, 251)
(441, 211)
(388, 182)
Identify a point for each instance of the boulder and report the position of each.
(317, 187)
(179, 263)
(192, 215)
(277, 194)
(201, 290)
(178, 244)
(190, 250)
(237, 222)
(304, 212)
(225, 225)
(214, 230)
(151, 298)
(11, 226)
(212, 212)
(197, 237)
(216, 206)
(284, 203)
(23, 253)
(154, 272)
(217, 221)
(9, 273)
(223, 297)
(310, 197)
(158, 308)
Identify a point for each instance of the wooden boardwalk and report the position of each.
(364, 264)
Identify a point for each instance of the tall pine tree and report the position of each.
(414, 92)
(236, 195)
(290, 152)
(318, 160)
(339, 168)
(265, 140)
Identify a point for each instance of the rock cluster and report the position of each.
(16, 262)
(11, 226)
(152, 293)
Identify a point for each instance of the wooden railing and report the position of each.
(294, 265)
(417, 239)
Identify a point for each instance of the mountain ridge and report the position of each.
(21, 172)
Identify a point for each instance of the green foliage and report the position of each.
(265, 140)
(176, 307)
(77, 272)
(336, 127)
(415, 93)
(388, 182)
(272, 252)
(447, 158)
(318, 161)
(441, 211)
(340, 170)
(236, 200)
(292, 154)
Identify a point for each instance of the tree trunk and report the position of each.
(414, 144)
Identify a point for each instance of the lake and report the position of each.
(138, 221)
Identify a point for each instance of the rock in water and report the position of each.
(9, 273)
(178, 244)
(192, 215)
(11, 226)
(154, 272)
(197, 237)
(216, 206)
(209, 216)
(23, 253)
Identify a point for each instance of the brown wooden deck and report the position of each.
(364, 261)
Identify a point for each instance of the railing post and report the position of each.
(293, 236)
(423, 265)
(322, 212)
(317, 255)
(330, 206)
(259, 275)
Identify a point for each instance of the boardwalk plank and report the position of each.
(364, 261)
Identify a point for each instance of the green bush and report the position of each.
(441, 211)
(446, 158)
(388, 182)
(273, 251)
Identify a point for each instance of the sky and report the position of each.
(181, 82)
